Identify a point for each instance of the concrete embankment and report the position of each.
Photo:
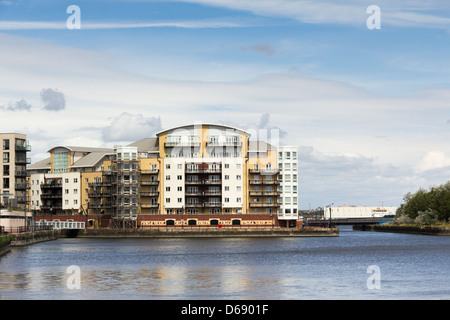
(425, 230)
(27, 238)
(207, 233)
(5, 245)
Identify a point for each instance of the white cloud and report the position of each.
(433, 160)
(86, 25)
(131, 127)
(399, 13)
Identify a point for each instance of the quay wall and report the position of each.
(5, 244)
(425, 230)
(27, 238)
(208, 232)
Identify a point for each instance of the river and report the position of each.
(355, 265)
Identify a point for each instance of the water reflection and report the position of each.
(305, 268)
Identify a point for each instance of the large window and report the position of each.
(60, 161)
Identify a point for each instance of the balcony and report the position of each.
(210, 170)
(181, 144)
(149, 183)
(265, 193)
(23, 147)
(263, 205)
(149, 205)
(268, 172)
(22, 186)
(149, 171)
(204, 205)
(22, 160)
(149, 194)
(214, 143)
(263, 182)
(51, 195)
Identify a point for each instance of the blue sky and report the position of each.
(368, 109)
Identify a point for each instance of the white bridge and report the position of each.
(61, 224)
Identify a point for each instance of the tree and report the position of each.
(426, 207)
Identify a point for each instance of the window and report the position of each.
(167, 188)
(167, 166)
(238, 200)
(179, 188)
(75, 191)
(75, 180)
(66, 191)
(179, 177)
(75, 201)
(179, 166)
(86, 180)
(227, 165)
(5, 144)
(238, 188)
(294, 155)
(180, 200)
(66, 180)
(227, 199)
(167, 177)
(227, 177)
(167, 200)
(288, 155)
(6, 157)
(238, 177)
(227, 188)
(238, 166)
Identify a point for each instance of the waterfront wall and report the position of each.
(27, 238)
(425, 230)
(5, 244)
(208, 232)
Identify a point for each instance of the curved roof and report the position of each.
(205, 124)
(83, 149)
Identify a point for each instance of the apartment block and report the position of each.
(13, 171)
(198, 174)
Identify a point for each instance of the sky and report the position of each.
(364, 94)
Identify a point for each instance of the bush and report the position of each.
(428, 216)
(403, 219)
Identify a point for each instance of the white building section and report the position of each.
(287, 159)
(346, 212)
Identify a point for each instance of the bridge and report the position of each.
(61, 225)
(348, 221)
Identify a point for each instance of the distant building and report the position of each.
(13, 169)
(344, 212)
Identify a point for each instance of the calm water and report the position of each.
(411, 267)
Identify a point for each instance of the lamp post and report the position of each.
(330, 214)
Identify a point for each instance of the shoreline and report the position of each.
(422, 230)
